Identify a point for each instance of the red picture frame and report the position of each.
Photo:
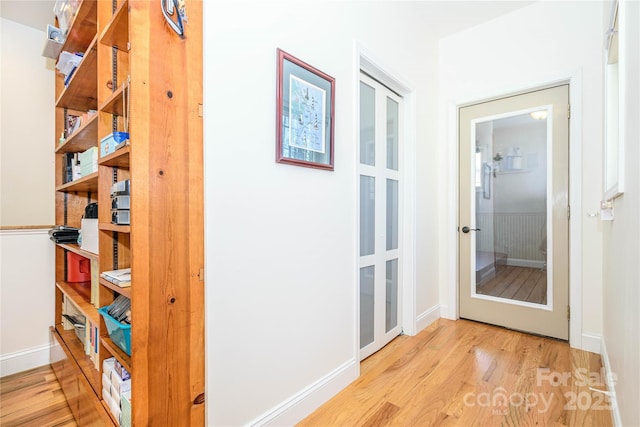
(304, 114)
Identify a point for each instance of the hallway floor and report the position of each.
(471, 374)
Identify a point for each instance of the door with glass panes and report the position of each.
(380, 275)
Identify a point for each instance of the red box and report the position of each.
(78, 268)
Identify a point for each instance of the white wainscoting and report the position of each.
(27, 298)
(519, 235)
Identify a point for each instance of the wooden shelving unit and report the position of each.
(116, 32)
(164, 245)
(86, 184)
(119, 159)
(114, 104)
(82, 139)
(80, 94)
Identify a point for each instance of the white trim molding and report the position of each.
(611, 385)
(575, 81)
(592, 343)
(24, 360)
(299, 406)
(428, 317)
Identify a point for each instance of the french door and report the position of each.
(514, 212)
(380, 225)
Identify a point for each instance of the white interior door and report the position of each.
(514, 212)
(380, 225)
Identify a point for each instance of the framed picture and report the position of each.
(305, 121)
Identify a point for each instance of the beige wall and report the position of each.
(26, 128)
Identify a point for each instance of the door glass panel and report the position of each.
(391, 300)
(511, 207)
(367, 214)
(392, 134)
(392, 214)
(367, 294)
(367, 125)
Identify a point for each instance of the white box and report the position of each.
(89, 234)
(108, 366)
(53, 43)
(106, 383)
(115, 395)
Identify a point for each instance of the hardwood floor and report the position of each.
(520, 283)
(453, 373)
(33, 398)
(471, 374)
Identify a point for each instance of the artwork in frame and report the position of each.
(305, 114)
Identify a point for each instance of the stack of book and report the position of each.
(121, 278)
(64, 234)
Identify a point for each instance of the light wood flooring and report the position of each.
(33, 398)
(463, 373)
(454, 373)
(519, 283)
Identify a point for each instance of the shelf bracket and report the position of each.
(115, 250)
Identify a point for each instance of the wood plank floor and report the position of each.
(453, 373)
(33, 398)
(519, 283)
(465, 373)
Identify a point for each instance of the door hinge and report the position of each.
(568, 111)
(568, 312)
(568, 211)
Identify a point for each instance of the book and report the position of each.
(121, 277)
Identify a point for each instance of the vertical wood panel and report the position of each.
(166, 230)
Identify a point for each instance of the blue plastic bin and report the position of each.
(120, 333)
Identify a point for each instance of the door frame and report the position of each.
(366, 61)
(576, 338)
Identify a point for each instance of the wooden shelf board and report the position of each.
(122, 291)
(113, 104)
(76, 348)
(116, 32)
(80, 294)
(76, 250)
(82, 139)
(123, 358)
(83, 26)
(118, 159)
(85, 184)
(107, 226)
(82, 91)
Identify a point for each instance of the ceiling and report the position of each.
(444, 17)
(32, 13)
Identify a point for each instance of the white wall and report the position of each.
(27, 128)
(536, 44)
(281, 240)
(27, 199)
(622, 242)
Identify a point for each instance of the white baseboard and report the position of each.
(24, 360)
(428, 317)
(516, 262)
(445, 312)
(311, 398)
(611, 386)
(591, 342)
